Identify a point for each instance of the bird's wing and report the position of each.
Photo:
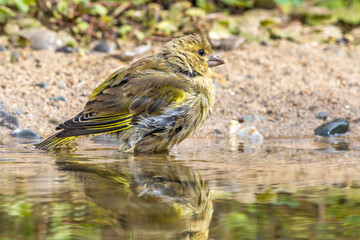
(144, 93)
(124, 95)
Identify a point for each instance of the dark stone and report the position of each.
(67, 49)
(264, 43)
(217, 132)
(343, 41)
(322, 115)
(125, 56)
(4, 114)
(104, 46)
(54, 121)
(42, 85)
(334, 127)
(25, 133)
(10, 122)
(246, 77)
(60, 98)
(312, 108)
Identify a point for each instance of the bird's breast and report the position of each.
(199, 106)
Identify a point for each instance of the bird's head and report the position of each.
(191, 55)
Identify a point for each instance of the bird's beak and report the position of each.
(215, 61)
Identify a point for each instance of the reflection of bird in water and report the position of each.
(147, 198)
(151, 105)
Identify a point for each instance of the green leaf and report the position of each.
(123, 30)
(139, 35)
(139, 2)
(21, 6)
(295, 2)
(5, 13)
(167, 27)
(83, 26)
(29, 2)
(62, 7)
(332, 4)
(239, 3)
(98, 9)
(195, 12)
(349, 15)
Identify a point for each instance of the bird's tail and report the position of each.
(86, 124)
(55, 142)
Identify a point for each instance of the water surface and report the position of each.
(205, 188)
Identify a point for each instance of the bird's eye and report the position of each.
(201, 52)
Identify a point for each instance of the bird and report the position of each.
(151, 105)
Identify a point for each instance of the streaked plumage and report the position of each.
(151, 105)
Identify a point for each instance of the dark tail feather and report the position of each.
(55, 142)
(72, 131)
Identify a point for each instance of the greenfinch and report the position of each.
(152, 104)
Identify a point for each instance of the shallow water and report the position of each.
(205, 188)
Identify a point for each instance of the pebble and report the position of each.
(10, 122)
(42, 85)
(61, 85)
(334, 127)
(3, 112)
(59, 98)
(322, 115)
(233, 127)
(250, 133)
(229, 43)
(15, 56)
(54, 121)
(67, 49)
(140, 50)
(104, 46)
(2, 48)
(2, 107)
(17, 112)
(25, 133)
(246, 77)
(217, 131)
(265, 43)
(248, 118)
(125, 56)
(342, 40)
(245, 134)
(41, 38)
(312, 108)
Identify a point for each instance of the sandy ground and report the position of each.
(279, 86)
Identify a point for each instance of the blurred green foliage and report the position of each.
(326, 214)
(162, 19)
(332, 213)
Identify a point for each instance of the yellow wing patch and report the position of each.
(106, 83)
